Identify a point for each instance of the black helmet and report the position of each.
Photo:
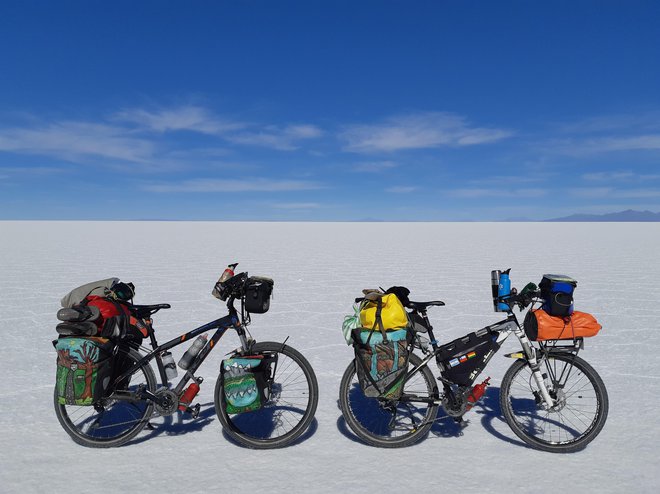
(123, 291)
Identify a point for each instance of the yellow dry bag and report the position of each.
(393, 315)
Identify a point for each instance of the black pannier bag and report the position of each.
(257, 294)
(557, 291)
(465, 358)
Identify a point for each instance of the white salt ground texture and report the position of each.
(318, 269)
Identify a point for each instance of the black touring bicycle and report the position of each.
(550, 397)
(285, 383)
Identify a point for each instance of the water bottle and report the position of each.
(227, 273)
(169, 364)
(504, 289)
(192, 352)
(495, 287)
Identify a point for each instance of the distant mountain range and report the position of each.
(628, 215)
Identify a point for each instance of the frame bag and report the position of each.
(464, 358)
(84, 369)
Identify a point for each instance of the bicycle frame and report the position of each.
(221, 326)
(503, 329)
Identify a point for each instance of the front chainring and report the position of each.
(169, 402)
(456, 404)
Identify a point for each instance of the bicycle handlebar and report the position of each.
(522, 299)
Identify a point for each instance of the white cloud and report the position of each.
(418, 131)
(374, 166)
(233, 185)
(608, 176)
(296, 205)
(402, 189)
(77, 142)
(614, 193)
(603, 124)
(602, 144)
(281, 138)
(190, 118)
(651, 141)
(476, 192)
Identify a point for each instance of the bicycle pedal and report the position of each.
(194, 410)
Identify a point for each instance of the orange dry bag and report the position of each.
(541, 326)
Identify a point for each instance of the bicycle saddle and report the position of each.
(424, 305)
(147, 310)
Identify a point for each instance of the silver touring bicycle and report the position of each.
(551, 398)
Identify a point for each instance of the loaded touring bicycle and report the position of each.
(550, 397)
(265, 395)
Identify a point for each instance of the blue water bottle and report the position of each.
(504, 289)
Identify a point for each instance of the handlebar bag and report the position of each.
(557, 291)
(382, 363)
(541, 326)
(392, 315)
(84, 368)
(257, 294)
(245, 382)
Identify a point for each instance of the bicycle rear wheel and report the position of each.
(111, 421)
(576, 419)
(390, 423)
(289, 410)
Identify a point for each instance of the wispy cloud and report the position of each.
(614, 193)
(134, 136)
(401, 189)
(282, 138)
(77, 142)
(32, 170)
(608, 176)
(607, 124)
(418, 131)
(476, 193)
(231, 185)
(296, 205)
(374, 166)
(190, 118)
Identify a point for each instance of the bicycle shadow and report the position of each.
(311, 430)
(444, 426)
(183, 423)
(491, 412)
(178, 424)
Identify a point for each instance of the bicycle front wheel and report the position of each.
(579, 413)
(289, 410)
(390, 423)
(116, 419)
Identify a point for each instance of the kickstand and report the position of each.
(461, 423)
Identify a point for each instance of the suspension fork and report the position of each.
(532, 361)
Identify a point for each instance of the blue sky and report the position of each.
(342, 110)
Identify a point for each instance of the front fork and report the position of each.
(532, 360)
